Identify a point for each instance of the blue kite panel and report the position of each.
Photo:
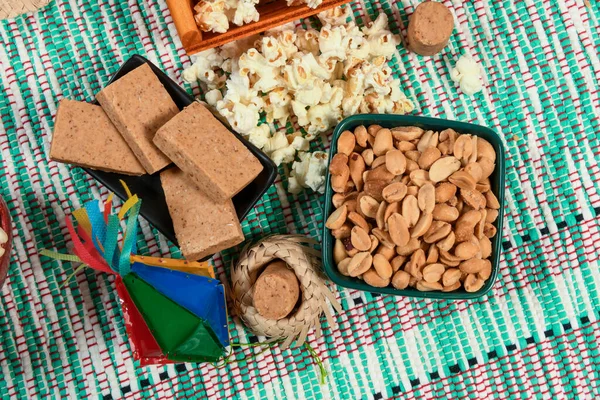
(200, 295)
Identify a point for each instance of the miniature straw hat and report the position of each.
(306, 263)
(12, 8)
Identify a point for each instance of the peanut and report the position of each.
(361, 135)
(394, 192)
(382, 266)
(384, 142)
(374, 279)
(360, 263)
(443, 168)
(346, 143)
(337, 218)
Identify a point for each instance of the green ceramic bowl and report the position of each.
(497, 181)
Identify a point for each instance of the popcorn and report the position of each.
(467, 73)
(213, 97)
(252, 63)
(309, 95)
(259, 135)
(383, 44)
(205, 69)
(245, 12)
(277, 105)
(319, 77)
(309, 172)
(308, 41)
(296, 75)
(283, 155)
(330, 42)
(273, 52)
(299, 143)
(210, 16)
(335, 16)
(276, 142)
(301, 113)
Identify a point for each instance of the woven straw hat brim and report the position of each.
(13, 8)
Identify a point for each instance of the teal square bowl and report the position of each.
(435, 124)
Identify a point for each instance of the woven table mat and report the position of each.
(534, 336)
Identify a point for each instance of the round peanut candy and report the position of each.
(429, 28)
(276, 291)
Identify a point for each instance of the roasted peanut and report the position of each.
(342, 232)
(368, 156)
(361, 135)
(346, 143)
(473, 198)
(463, 180)
(404, 146)
(339, 251)
(374, 188)
(394, 192)
(368, 206)
(407, 133)
(395, 162)
(398, 229)
(433, 254)
(383, 237)
(378, 161)
(433, 272)
(444, 192)
(437, 231)
(337, 218)
(473, 283)
(466, 250)
(382, 266)
(374, 279)
(387, 252)
(451, 276)
(373, 129)
(360, 239)
(397, 262)
(360, 263)
(443, 168)
(411, 247)
(390, 209)
(428, 140)
(445, 212)
(384, 142)
(425, 286)
(358, 220)
(428, 157)
(357, 168)
(426, 198)
(463, 148)
(401, 279)
(343, 266)
(447, 242)
(474, 170)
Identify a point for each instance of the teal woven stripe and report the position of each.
(534, 336)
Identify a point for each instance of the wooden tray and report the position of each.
(272, 14)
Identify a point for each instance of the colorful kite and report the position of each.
(174, 309)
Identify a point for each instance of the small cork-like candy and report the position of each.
(429, 28)
(276, 291)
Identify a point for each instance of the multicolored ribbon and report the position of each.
(96, 240)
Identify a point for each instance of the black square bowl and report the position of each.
(148, 188)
